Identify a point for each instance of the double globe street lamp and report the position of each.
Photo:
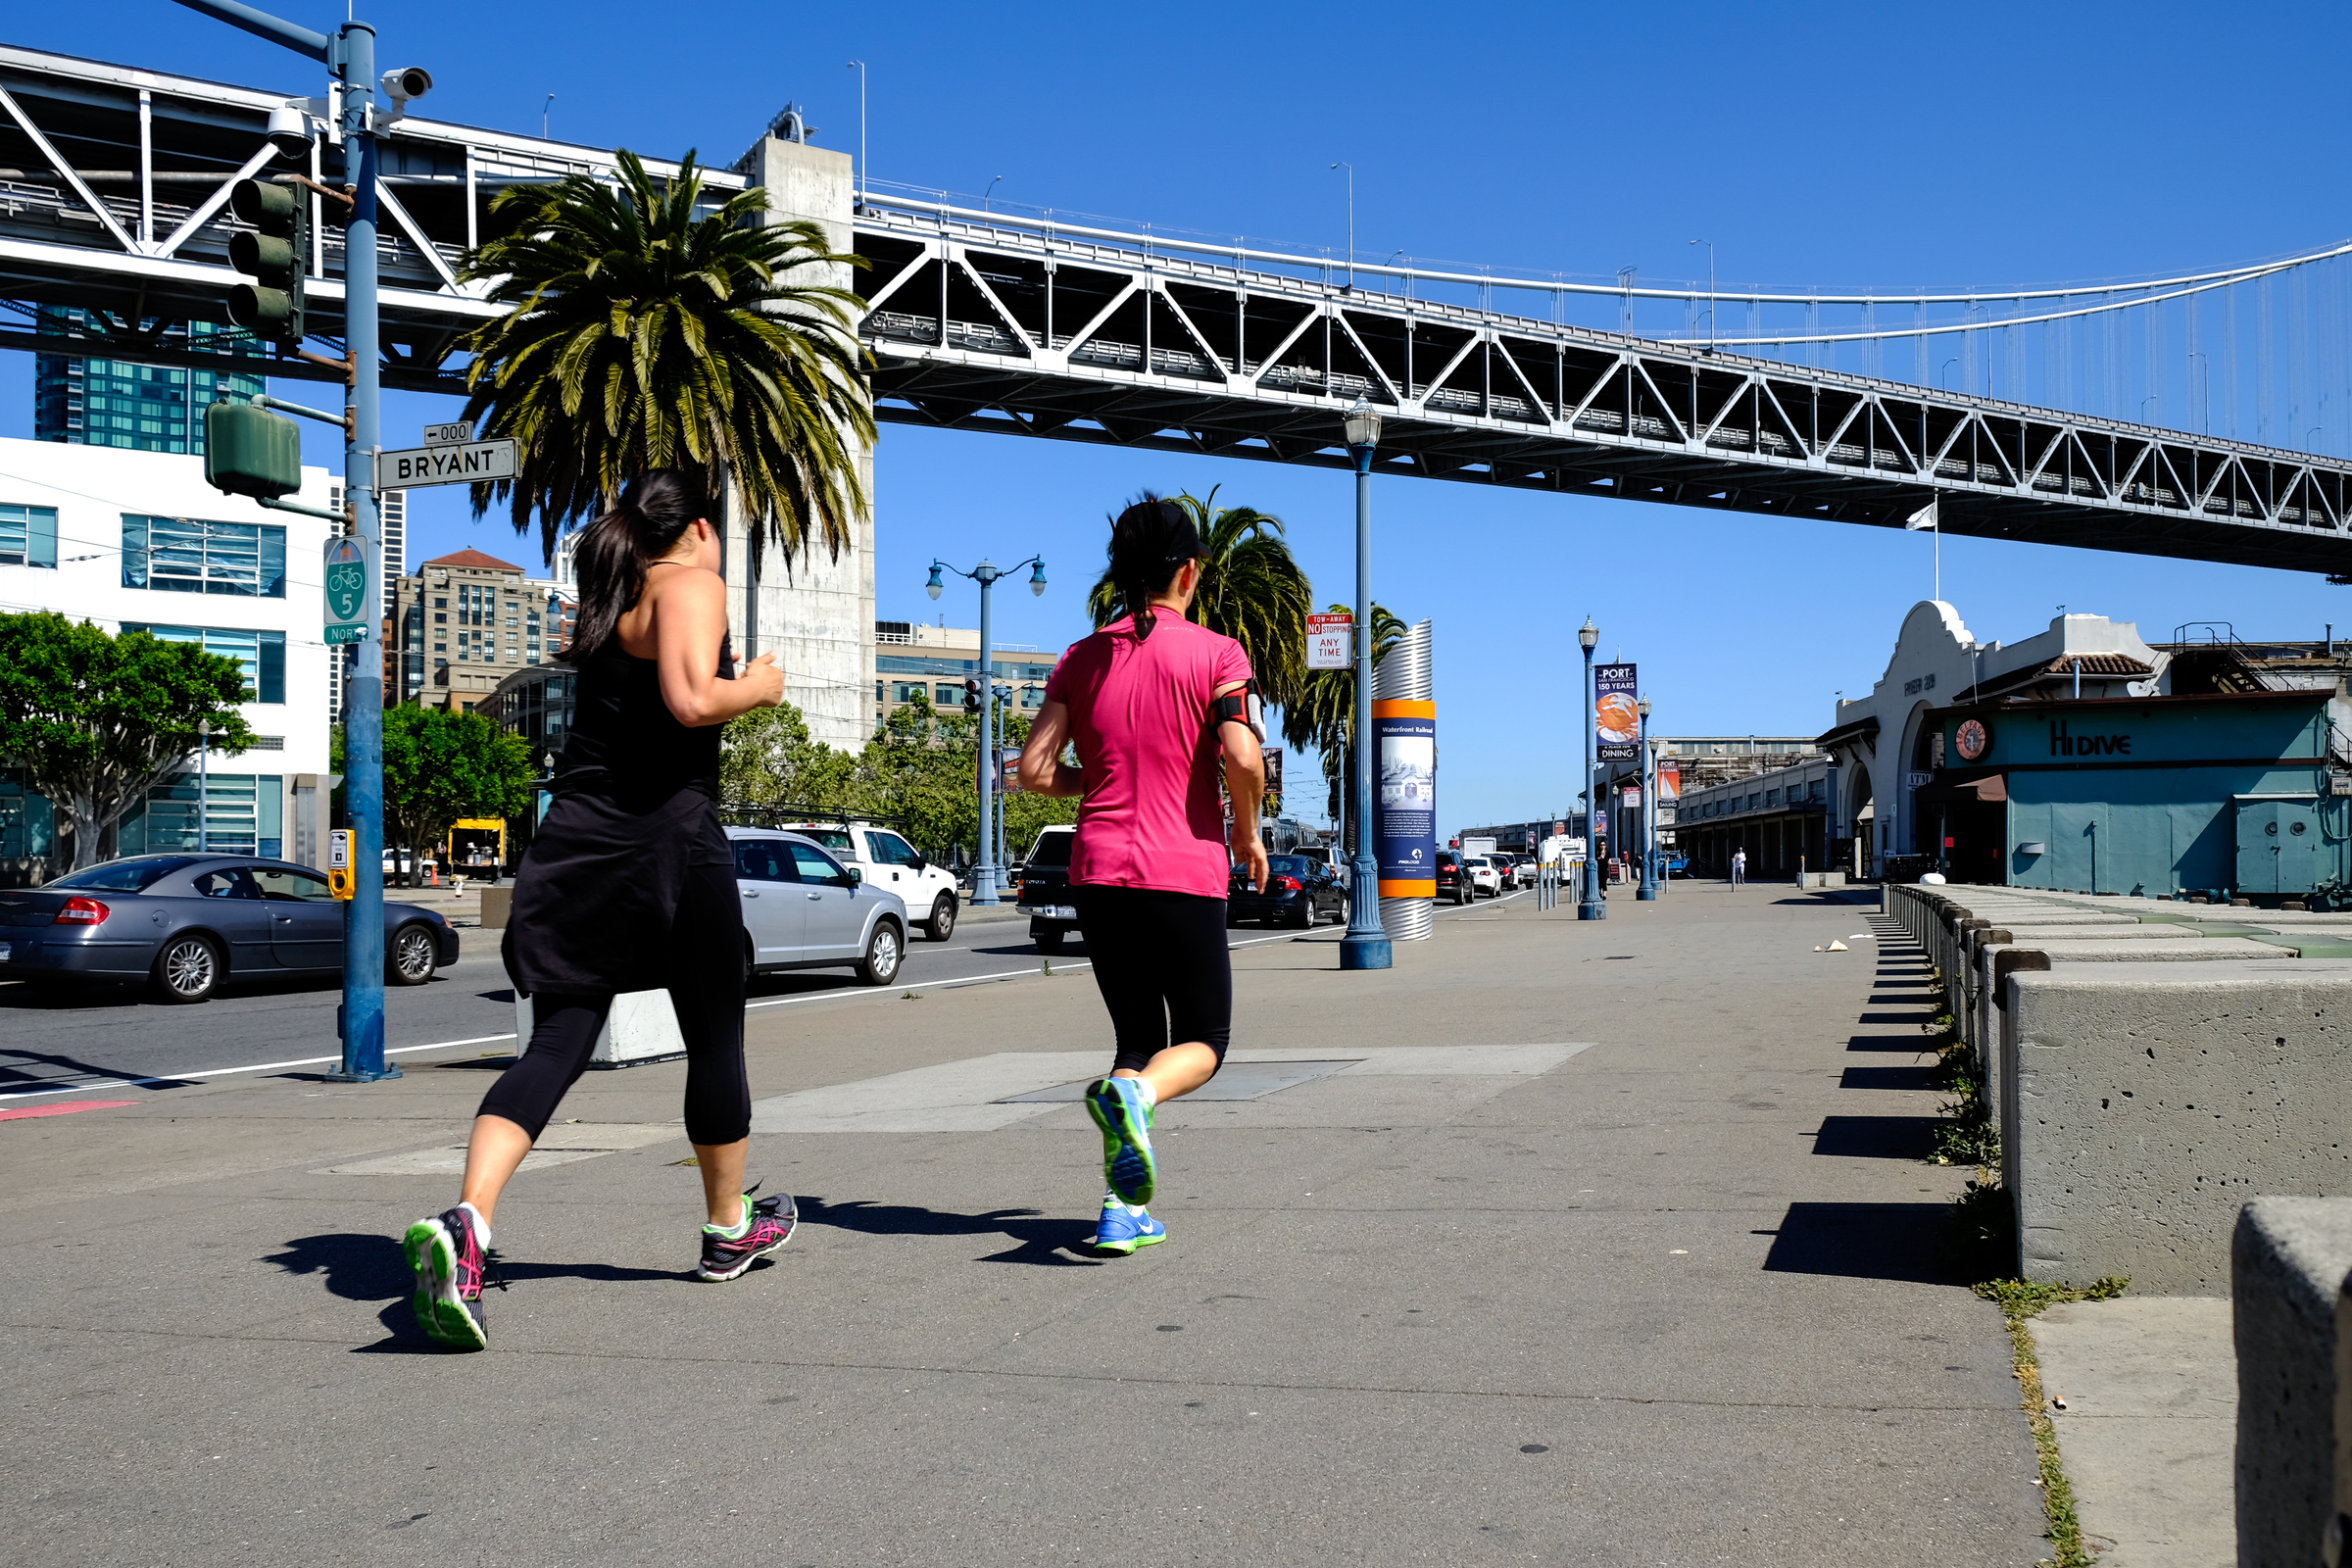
(1589, 905)
(987, 574)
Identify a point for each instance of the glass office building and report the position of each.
(86, 401)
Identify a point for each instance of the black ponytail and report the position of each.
(653, 513)
(1149, 543)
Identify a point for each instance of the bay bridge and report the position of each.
(114, 222)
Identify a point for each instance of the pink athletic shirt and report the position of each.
(1139, 717)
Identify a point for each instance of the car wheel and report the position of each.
(187, 970)
(880, 965)
(941, 924)
(411, 960)
(1050, 941)
(1311, 917)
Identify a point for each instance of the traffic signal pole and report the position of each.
(350, 56)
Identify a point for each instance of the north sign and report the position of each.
(346, 579)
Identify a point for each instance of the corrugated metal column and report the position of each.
(1405, 675)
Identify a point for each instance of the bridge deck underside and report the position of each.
(978, 340)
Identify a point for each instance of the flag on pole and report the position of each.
(1924, 517)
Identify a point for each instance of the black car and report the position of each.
(1299, 892)
(186, 923)
(1044, 888)
(1453, 879)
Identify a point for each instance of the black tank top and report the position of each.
(625, 743)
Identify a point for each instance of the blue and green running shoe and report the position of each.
(1125, 1227)
(1118, 1107)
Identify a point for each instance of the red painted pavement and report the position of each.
(64, 1108)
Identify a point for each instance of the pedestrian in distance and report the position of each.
(1739, 867)
(1153, 704)
(629, 885)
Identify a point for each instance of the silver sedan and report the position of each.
(803, 910)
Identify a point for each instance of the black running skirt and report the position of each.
(596, 896)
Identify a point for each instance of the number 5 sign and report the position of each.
(346, 591)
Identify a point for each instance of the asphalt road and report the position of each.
(54, 1041)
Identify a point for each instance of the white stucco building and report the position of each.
(1884, 746)
(126, 539)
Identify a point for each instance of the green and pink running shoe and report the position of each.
(766, 1226)
(450, 1267)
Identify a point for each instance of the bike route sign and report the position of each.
(346, 591)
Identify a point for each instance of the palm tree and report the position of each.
(1252, 590)
(641, 335)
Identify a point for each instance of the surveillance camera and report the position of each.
(289, 129)
(408, 81)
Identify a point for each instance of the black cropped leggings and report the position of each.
(704, 977)
(1162, 966)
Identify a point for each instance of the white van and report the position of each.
(887, 860)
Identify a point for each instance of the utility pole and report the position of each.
(350, 56)
(988, 575)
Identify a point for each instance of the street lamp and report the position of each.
(987, 574)
(1589, 906)
(1650, 810)
(204, 802)
(1366, 943)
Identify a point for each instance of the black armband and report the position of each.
(1245, 707)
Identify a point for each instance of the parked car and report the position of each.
(803, 910)
(187, 924)
(1453, 877)
(397, 862)
(1485, 879)
(890, 862)
(1043, 891)
(1300, 891)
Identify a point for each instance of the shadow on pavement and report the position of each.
(18, 1072)
(1048, 1242)
(360, 1267)
(1877, 1137)
(1861, 1241)
(1887, 1078)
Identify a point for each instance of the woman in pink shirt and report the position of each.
(1153, 704)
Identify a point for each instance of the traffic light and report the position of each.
(248, 450)
(276, 254)
(972, 697)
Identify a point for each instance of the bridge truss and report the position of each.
(114, 189)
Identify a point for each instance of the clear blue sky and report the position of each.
(1833, 145)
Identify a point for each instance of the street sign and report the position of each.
(456, 433)
(457, 463)
(1328, 641)
(346, 581)
(1633, 794)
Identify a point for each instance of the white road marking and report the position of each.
(871, 993)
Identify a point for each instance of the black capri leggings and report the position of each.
(704, 977)
(1163, 968)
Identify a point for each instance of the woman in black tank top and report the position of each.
(628, 886)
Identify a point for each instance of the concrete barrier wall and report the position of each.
(2142, 1102)
(2288, 1261)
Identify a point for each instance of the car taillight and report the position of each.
(1287, 884)
(80, 911)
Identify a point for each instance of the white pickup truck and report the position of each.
(887, 860)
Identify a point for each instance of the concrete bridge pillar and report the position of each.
(815, 612)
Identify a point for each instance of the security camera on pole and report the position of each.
(257, 462)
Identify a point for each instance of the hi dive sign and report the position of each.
(1616, 720)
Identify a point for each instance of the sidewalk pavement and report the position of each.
(2149, 1433)
(1558, 1243)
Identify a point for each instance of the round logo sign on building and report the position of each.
(1972, 740)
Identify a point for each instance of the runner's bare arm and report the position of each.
(1041, 769)
(1245, 788)
(690, 621)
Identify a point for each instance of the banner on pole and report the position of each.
(1670, 781)
(1405, 831)
(1616, 720)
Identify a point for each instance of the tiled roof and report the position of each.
(474, 559)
